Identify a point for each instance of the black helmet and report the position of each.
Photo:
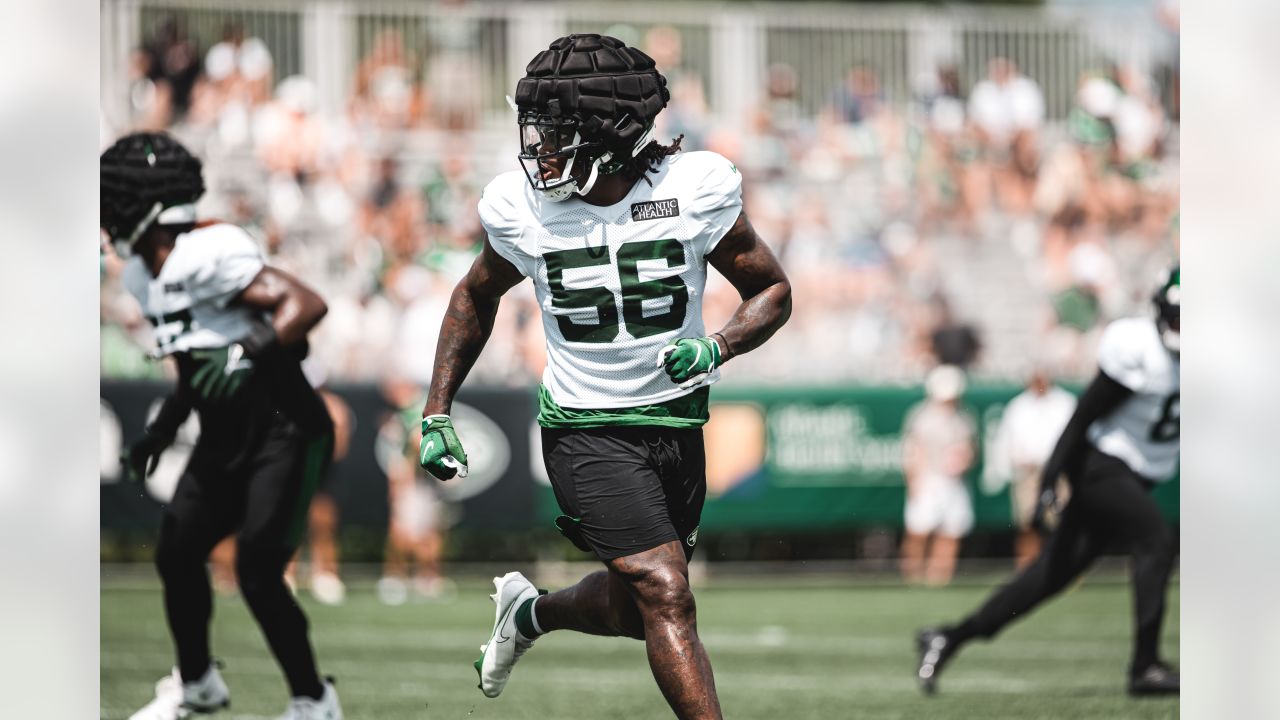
(1168, 302)
(143, 175)
(590, 101)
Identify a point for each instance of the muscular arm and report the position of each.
(467, 325)
(746, 261)
(1102, 396)
(294, 307)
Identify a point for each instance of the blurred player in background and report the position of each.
(416, 526)
(237, 329)
(1121, 441)
(1030, 427)
(325, 584)
(937, 449)
(615, 231)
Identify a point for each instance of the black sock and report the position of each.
(962, 633)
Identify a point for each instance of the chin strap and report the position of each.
(562, 193)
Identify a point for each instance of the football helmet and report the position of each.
(585, 107)
(1168, 302)
(146, 178)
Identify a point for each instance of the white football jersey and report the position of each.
(617, 283)
(1143, 431)
(187, 302)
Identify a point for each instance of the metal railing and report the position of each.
(472, 52)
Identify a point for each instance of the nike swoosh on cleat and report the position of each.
(497, 630)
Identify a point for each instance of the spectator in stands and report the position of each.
(954, 342)
(1029, 429)
(947, 153)
(395, 216)
(386, 94)
(455, 74)
(238, 61)
(237, 79)
(858, 98)
(937, 450)
(687, 112)
(1008, 112)
(173, 66)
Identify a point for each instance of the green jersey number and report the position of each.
(635, 292)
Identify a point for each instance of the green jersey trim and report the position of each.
(688, 411)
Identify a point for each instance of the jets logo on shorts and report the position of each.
(693, 537)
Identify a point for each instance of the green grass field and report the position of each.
(839, 650)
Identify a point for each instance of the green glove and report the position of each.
(223, 372)
(441, 453)
(689, 361)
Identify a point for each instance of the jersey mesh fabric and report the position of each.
(1144, 430)
(187, 302)
(609, 286)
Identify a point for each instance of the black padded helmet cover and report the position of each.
(611, 91)
(139, 171)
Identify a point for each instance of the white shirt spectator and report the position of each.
(1004, 109)
(250, 57)
(1030, 427)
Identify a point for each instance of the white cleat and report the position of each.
(328, 589)
(506, 644)
(305, 708)
(176, 700)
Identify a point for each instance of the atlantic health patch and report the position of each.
(655, 209)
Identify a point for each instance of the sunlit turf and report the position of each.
(781, 650)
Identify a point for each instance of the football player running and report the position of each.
(615, 230)
(236, 329)
(1121, 442)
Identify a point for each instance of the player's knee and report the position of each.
(259, 573)
(173, 558)
(629, 625)
(665, 593)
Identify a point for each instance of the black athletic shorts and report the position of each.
(260, 492)
(624, 490)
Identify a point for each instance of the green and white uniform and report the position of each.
(1143, 432)
(189, 302)
(616, 284)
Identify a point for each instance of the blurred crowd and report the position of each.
(959, 226)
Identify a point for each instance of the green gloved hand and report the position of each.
(441, 453)
(222, 373)
(689, 361)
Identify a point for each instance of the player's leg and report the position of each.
(1067, 553)
(633, 497)
(913, 554)
(599, 604)
(201, 512)
(658, 580)
(1123, 502)
(922, 517)
(280, 486)
(322, 533)
(957, 521)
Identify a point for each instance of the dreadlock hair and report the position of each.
(140, 172)
(650, 158)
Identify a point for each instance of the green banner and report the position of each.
(831, 458)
